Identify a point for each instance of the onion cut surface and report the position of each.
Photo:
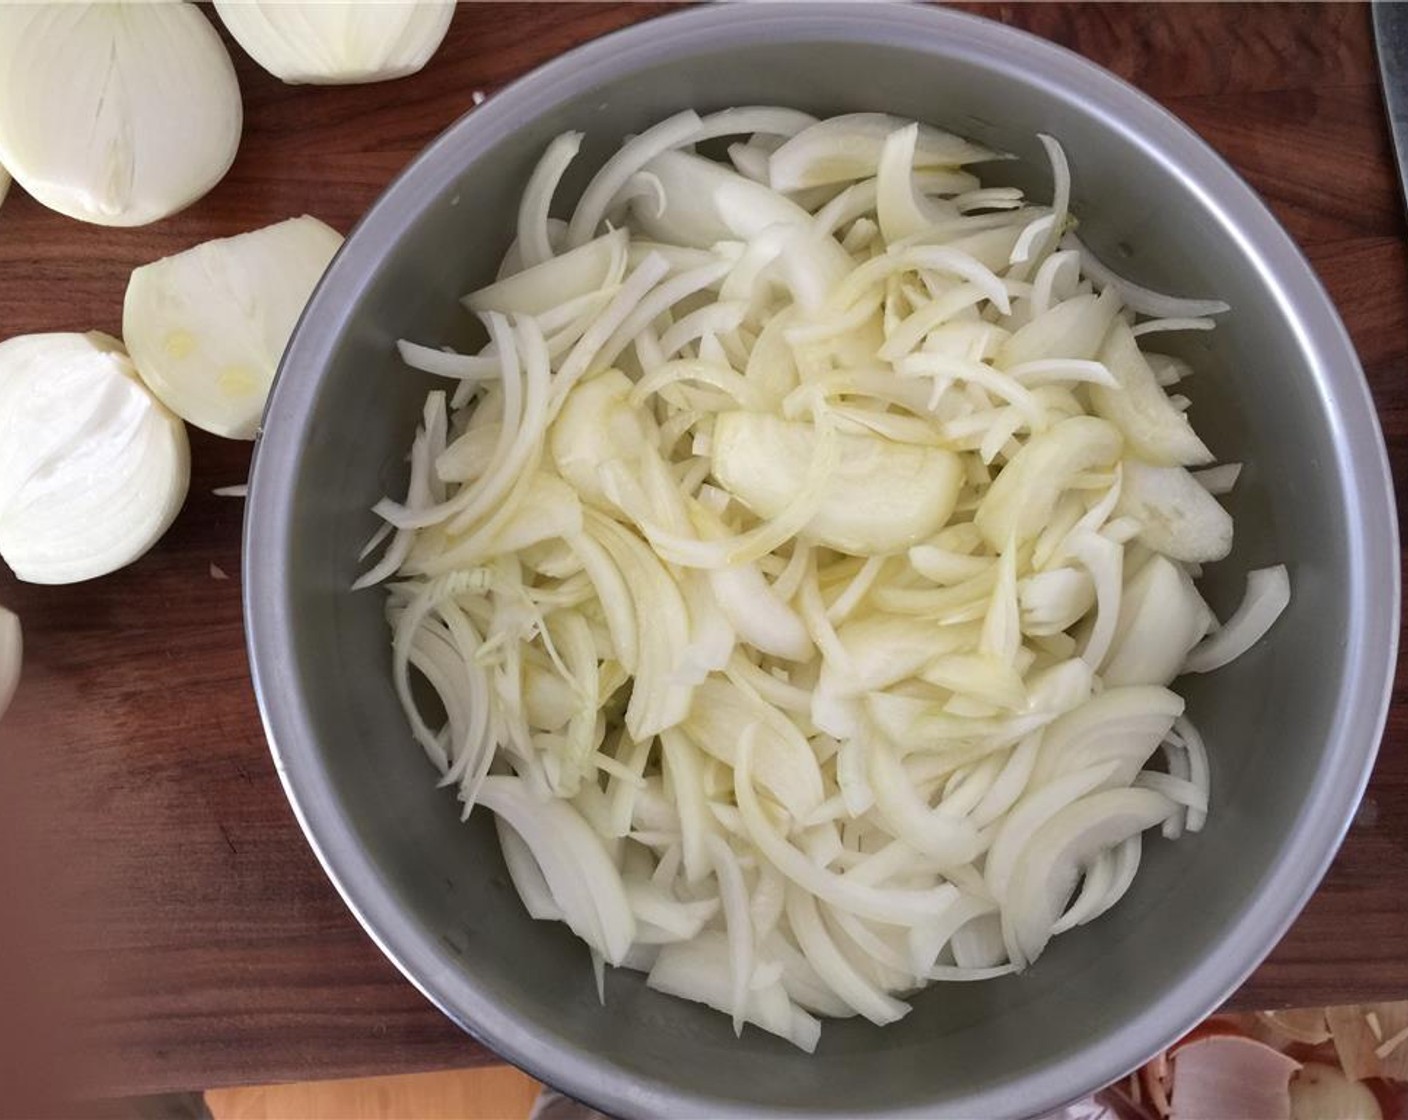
(93, 468)
(118, 114)
(801, 565)
(207, 327)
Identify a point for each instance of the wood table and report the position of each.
(220, 953)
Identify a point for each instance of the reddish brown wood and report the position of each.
(216, 951)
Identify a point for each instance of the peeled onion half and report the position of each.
(341, 43)
(118, 114)
(207, 327)
(92, 467)
(11, 654)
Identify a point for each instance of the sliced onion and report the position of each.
(841, 149)
(1120, 726)
(539, 288)
(706, 203)
(1162, 617)
(1137, 298)
(1219, 480)
(1050, 866)
(1268, 594)
(595, 426)
(831, 965)
(1177, 516)
(699, 970)
(946, 838)
(899, 907)
(659, 700)
(535, 245)
(1157, 432)
(444, 363)
(671, 133)
(901, 209)
(1071, 330)
(882, 496)
(527, 876)
(759, 616)
(1022, 497)
(580, 875)
(662, 919)
(783, 763)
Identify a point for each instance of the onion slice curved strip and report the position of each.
(1138, 298)
(1268, 594)
(580, 875)
(899, 907)
(1048, 870)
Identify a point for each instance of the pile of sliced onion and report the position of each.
(802, 564)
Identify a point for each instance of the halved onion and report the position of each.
(118, 114)
(337, 44)
(207, 327)
(92, 467)
(11, 656)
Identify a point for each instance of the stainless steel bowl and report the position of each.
(1292, 727)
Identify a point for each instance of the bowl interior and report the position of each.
(437, 895)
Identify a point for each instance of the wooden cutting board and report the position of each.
(218, 953)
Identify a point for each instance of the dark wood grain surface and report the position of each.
(216, 951)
